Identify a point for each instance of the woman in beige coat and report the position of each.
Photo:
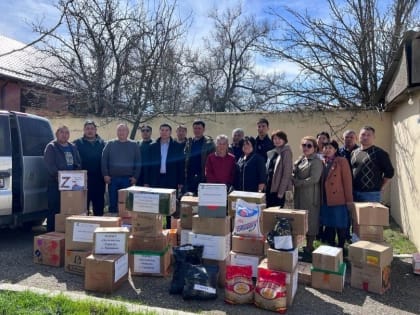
(307, 173)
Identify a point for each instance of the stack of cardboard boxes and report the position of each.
(107, 266)
(189, 208)
(369, 219)
(328, 268)
(247, 249)
(149, 247)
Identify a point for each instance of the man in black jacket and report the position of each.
(90, 148)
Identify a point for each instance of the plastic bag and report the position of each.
(280, 237)
(247, 219)
(200, 282)
(239, 288)
(184, 255)
(270, 290)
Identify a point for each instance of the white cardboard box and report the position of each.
(240, 259)
(215, 247)
(185, 237)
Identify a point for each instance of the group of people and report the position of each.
(324, 180)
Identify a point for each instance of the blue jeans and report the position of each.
(372, 196)
(117, 182)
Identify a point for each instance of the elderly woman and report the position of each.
(307, 173)
(279, 170)
(252, 173)
(337, 194)
(220, 165)
(59, 155)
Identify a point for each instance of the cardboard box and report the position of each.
(291, 282)
(215, 247)
(110, 240)
(150, 263)
(75, 261)
(151, 200)
(304, 272)
(416, 263)
(211, 226)
(222, 269)
(105, 273)
(146, 224)
(189, 207)
(152, 243)
(124, 214)
(365, 252)
(370, 213)
(281, 260)
(372, 233)
(251, 197)
(49, 249)
(122, 195)
(212, 200)
(327, 258)
(79, 230)
(298, 241)
(239, 259)
(371, 278)
(175, 223)
(299, 222)
(185, 237)
(72, 180)
(248, 245)
(329, 280)
(73, 202)
(60, 222)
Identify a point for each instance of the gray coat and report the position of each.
(307, 174)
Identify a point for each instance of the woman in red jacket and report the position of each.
(337, 195)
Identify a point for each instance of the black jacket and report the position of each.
(250, 173)
(91, 155)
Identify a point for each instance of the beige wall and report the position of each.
(405, 197)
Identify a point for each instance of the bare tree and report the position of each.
(341, 58)
(224, 68)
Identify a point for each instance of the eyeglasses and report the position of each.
(307, 145)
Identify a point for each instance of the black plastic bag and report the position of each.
(280, 237)
(200, 283)
(184, 255)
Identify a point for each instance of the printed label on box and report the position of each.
(121, 267)
(204, 288)
(71, 180)
(212, 195)
(146, 264)
(146, 201)
(110, 243)
(83, 232)
(283, 242)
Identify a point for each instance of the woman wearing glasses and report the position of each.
(307, 173)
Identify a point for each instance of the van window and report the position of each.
(35, 135)
(5, 148)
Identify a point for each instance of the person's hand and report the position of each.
(107, 179)
(133, 180)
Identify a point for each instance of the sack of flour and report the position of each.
(247, 219)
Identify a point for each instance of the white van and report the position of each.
(23, 176)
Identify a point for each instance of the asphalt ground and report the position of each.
(17, 268)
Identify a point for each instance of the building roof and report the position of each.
(22, 63)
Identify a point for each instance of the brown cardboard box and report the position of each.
(110, 240)
(151, 200)
(49, 249)
(215, 247)
(146, 224)
(416, 263)
(212, 200)
(72, 180)
(281, 260)
(372, 233)
(79, 230)
(222, 269)
(327, 258)
(124, 214)
(105, 273)
(189, 207)
(239, 259)
(153, 243)
(175, 223)
(248, 245)
(304, 272)
(251, 197)
(299, 222)
(75, 261)
(328, 280)
(211, 226)
(365, 252)
(150, 263)
(291, 282)
(370, 213)
(371, 278)
(122, 195)
(60, 222)
(73, 202)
